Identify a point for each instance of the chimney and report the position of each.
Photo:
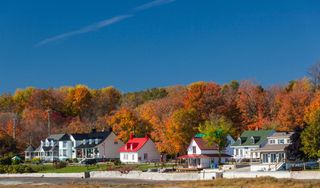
(110, 129)
(93, 130)
(131, 136)
(131, 146)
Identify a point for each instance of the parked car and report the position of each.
(101, 160)
(89, 161)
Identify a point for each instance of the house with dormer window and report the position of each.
(248, 142)
(138, 150)
(70, 146)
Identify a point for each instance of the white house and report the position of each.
(69, 146)
(248, 142)
(138, 150)
(273, 155)
(49, 148)
(201, 155)
(96, 145)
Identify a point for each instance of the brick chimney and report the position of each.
(131, 136)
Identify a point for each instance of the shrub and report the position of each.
(59, 164)
(6, 160)
(36, 160)
(10, 169)
(117, 162)
(75, 160)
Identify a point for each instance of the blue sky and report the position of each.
(155, 43)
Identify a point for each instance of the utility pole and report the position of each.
(49, 123)
(30, 139)
(14, 126)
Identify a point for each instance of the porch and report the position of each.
(82, 153)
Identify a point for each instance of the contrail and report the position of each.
(89, 28)
(104, 23)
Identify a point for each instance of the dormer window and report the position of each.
(252, 140)
(90, 141)
(272, 141)
(96, 141)
(52, 143)
(84, 141)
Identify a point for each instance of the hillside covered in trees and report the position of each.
(171, 115)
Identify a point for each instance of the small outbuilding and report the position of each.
(29, 152)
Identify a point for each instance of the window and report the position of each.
(272, 141)
(133, 157)
(194, 149)
(96, 141)
(64, 144)
(90, 141)
(281, 141)
(125, 156)
(64, 152)
(84, 141)
(145, 156)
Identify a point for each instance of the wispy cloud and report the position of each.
(104, 23)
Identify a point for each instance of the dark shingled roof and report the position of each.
(92, 135)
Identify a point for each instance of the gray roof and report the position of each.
(281, 135)
(30, 148)
(272, 148)
(38, 149)
(55, 136)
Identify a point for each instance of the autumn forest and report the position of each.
(170, 115)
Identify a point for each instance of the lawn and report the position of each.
(100, 167)
(74, 169)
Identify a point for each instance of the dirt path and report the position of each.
(29, 182)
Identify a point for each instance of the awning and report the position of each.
(198, 156)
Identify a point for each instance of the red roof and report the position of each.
(197, 156)
(134, 144)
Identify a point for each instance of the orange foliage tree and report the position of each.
(205, 98)
(252, 104)
(293, 102)
(125, 121)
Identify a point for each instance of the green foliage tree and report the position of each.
(293, 150)
(310, 138)
(216, 132)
